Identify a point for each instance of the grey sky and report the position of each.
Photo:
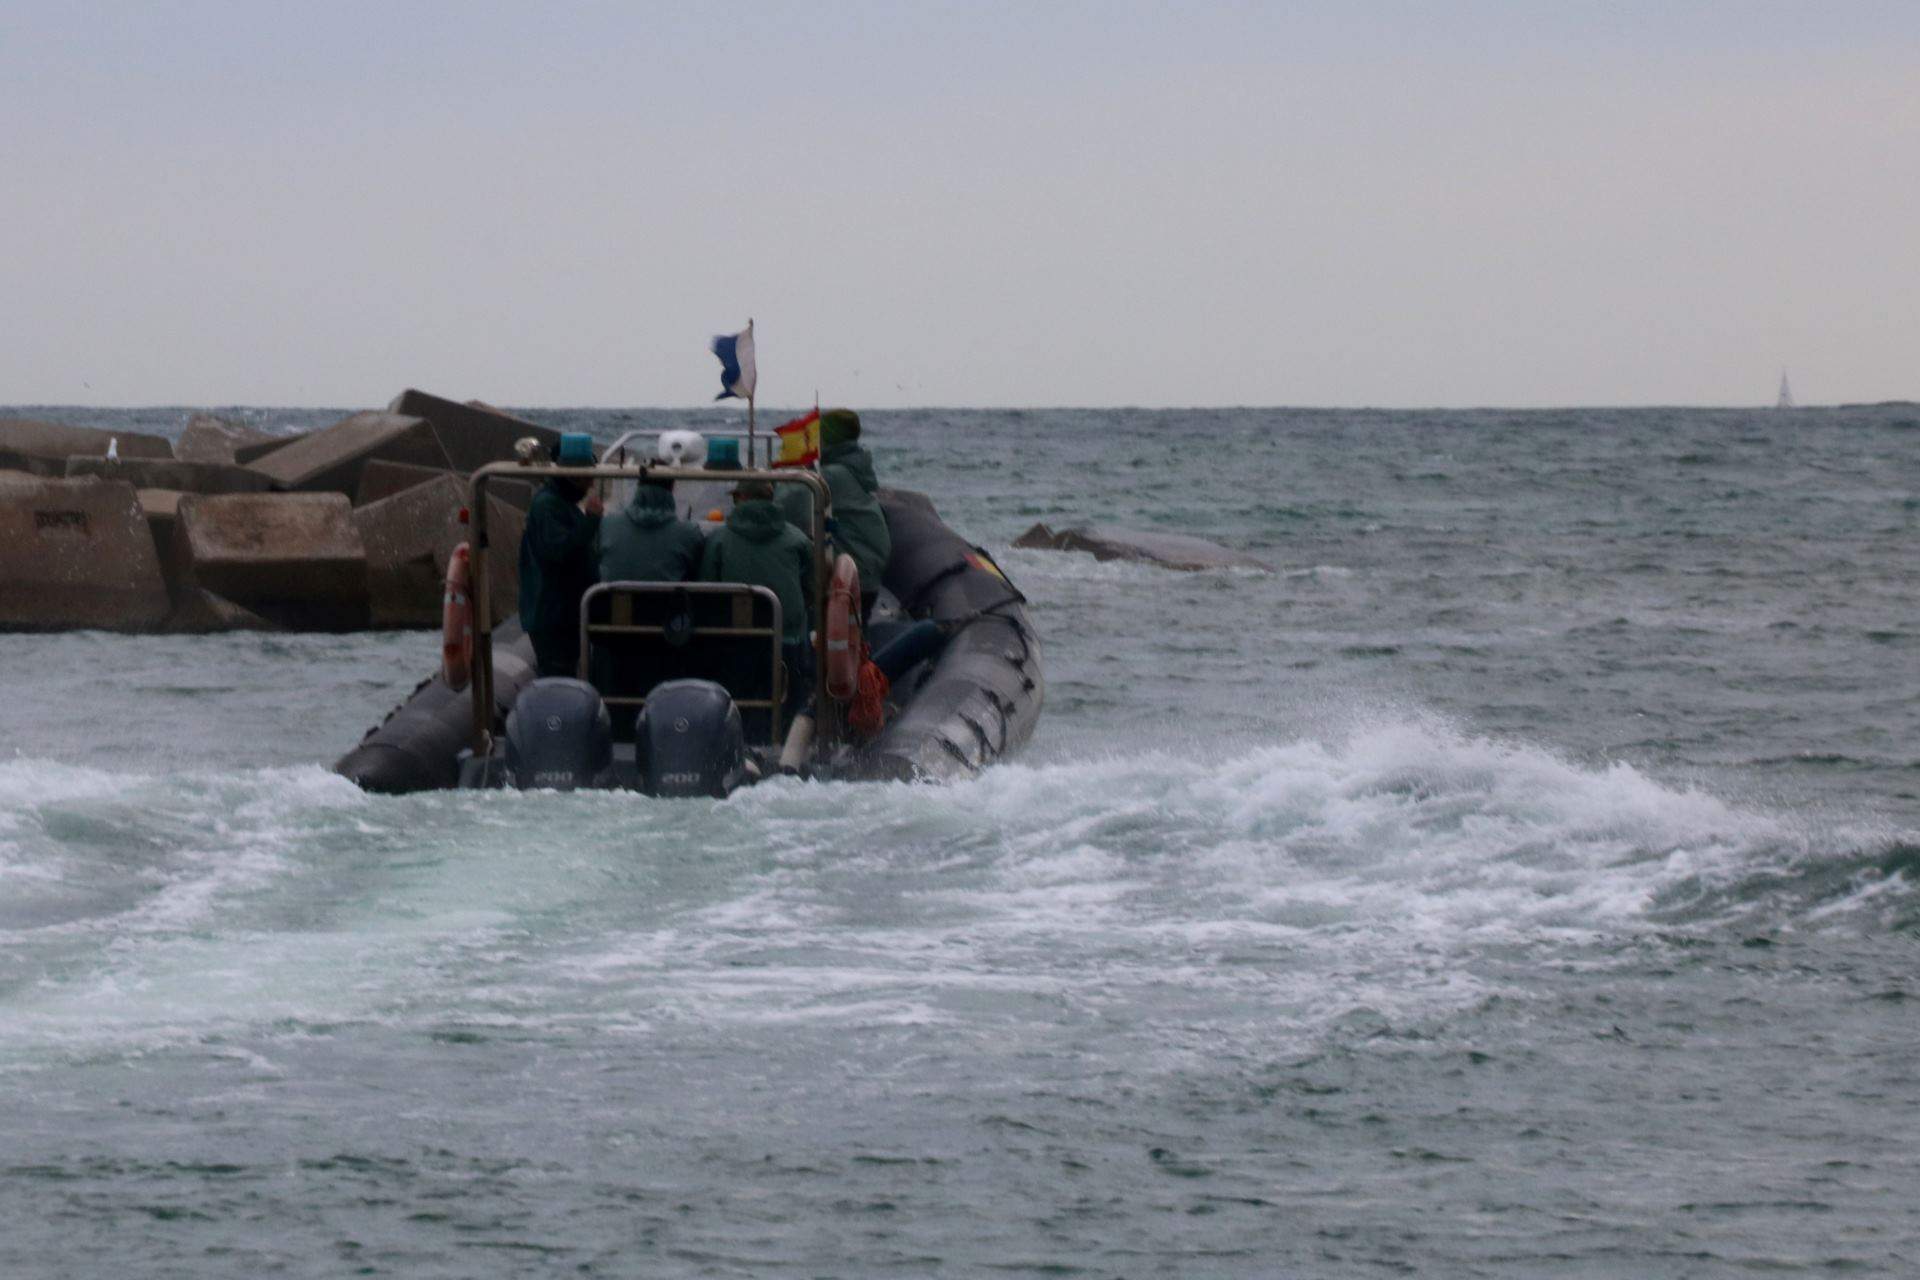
(960, 204)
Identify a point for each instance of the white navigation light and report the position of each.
(681, 449)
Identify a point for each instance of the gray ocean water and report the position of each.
(1517, 882)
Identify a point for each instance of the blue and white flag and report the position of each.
(736, 363)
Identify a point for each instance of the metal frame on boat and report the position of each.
(481, 741)
(618, 593)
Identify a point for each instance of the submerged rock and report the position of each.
(1169, 550)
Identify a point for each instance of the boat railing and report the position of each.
(681, 629)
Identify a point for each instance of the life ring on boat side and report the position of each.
(843, 630)
(456, 620)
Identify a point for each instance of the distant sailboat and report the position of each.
(1786, 393)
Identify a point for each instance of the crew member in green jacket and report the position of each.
(556, 560)
(859, 526)
(646, 541)
(758, 547)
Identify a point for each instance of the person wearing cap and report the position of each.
(859, 525)
(758, 547)
(646, 541)
(557, 559)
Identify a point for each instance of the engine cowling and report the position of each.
(559, 737)
(688, 740)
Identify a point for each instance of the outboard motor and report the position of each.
(688, 741)
(559, 736)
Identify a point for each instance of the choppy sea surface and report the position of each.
(1519, 881)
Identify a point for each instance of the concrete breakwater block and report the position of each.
(293, 558)
(246, 454)
(171, 473)
(472, 436)
(505, 525)
(76, 553)
(43, 448)
(380, 479)
(210, 439)
(198, 612)
(1169, 550)
(332, 458)
(161, 507)
(409, 538)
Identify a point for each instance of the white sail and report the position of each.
(1786, 393)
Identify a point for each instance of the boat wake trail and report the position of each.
(1401, 867)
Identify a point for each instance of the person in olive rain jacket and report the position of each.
(859, 525)
(646, 541)
(758, 547)
(556, 562)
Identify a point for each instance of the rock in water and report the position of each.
(1169, 550)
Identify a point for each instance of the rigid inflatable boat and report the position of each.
(680, 687)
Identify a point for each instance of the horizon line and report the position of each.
(735, 409)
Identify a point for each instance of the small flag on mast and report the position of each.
(799, 441)
(736, 363)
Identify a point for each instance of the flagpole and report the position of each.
(756, 379)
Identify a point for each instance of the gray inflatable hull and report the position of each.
(973, 704)
(417, 747)
(981, 697)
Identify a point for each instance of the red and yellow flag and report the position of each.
(799, 441)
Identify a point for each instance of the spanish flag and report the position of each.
(799, 441)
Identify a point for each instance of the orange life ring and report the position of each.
(456, 620)
(843, 630)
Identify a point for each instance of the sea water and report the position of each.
(1518, 880)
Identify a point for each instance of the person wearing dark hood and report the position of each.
(859, 525)
(758, 547)
(646, 541)
(556, 560)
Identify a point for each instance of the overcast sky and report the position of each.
(960, 204)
